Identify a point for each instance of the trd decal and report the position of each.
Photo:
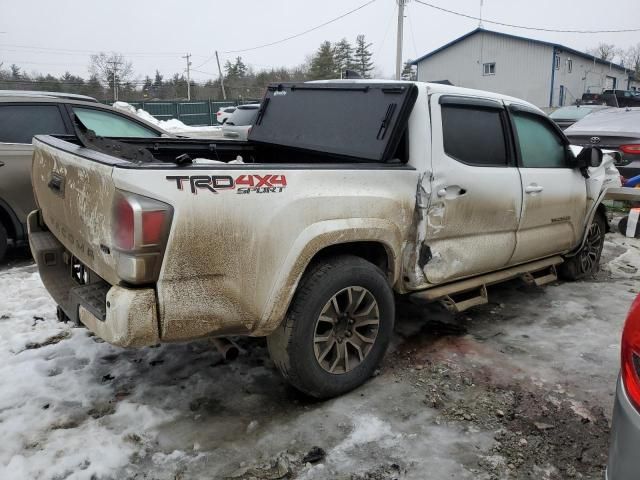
(242, 184)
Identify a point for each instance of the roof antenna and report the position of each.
(480, 19)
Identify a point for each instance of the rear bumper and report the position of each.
(624, 463)
(126, 317)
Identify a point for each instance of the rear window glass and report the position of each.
(243, 116)
(19, 123)
(570, 113)
(474, 135)
(107, 124)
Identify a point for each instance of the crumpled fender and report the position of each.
(611, 193)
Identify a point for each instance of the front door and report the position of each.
(555, 196)
(476, 196)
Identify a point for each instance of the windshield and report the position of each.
(571, 113)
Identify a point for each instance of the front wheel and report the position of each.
(337, 329)
(587, 260)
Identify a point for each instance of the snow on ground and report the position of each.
(520, 387)
(173, 125)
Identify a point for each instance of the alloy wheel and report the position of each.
(346, 330)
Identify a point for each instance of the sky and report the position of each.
(55, 36)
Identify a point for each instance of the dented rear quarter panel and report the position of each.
(233, 260)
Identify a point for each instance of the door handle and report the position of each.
(533, 188)
(451, 191)
(1, 164)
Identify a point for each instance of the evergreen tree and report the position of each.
(362, 57)
(408, 72)
(15, 72)
(343, 55)
(323, 63)
(147, 87)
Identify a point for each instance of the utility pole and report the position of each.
(188, 56)
(115, 64)
(480, 22)
(401, 5)
(224, 94)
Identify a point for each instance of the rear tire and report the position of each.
(4, 242)
(337, 329)
(587, 260)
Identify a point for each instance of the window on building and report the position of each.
(569, 65)
(489, 68)
(557, 62)
(474, 135)
(540, 145)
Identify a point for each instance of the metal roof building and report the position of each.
(543, 73)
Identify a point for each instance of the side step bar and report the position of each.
(464, 294)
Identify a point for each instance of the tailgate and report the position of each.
(75, 195)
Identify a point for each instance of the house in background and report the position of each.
(543, 73)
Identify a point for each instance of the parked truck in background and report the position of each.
(345, 192)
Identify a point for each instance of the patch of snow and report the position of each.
(173, 125)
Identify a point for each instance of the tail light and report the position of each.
(631, 149)
(630, 370)
(139, 233)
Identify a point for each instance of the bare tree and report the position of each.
(111, 69)
(631, 59)
(604, 51)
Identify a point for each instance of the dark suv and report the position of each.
(25, 114)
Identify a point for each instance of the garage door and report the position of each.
(610, 83)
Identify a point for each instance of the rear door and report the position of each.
(555, 193)
(476, 194)
(18, 124)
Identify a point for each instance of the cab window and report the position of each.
(107, 124)
(540, 145)
(19, 123)
(474, 135)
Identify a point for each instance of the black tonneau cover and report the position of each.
(358, 119)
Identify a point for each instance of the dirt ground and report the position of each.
(519, 388)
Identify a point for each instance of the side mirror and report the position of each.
(589, 157)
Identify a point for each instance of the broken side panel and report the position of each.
(360, 120)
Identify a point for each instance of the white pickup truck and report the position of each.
(345, 192)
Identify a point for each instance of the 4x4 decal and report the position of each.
(242, 184)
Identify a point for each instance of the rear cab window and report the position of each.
(108, 124)
(19, 123)
(474, 132)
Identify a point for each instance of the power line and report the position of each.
(70, 51)
(540, 29)
(291, 37)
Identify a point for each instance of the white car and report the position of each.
(238, 125)
(224, 113)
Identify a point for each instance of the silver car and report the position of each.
(624, 461)
(613, 129)
(238, 125)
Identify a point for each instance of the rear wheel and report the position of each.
(587, 260)
(4, 241)
(337, 329)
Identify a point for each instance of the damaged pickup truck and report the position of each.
(345, 192)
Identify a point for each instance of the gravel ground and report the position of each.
(519, 388)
